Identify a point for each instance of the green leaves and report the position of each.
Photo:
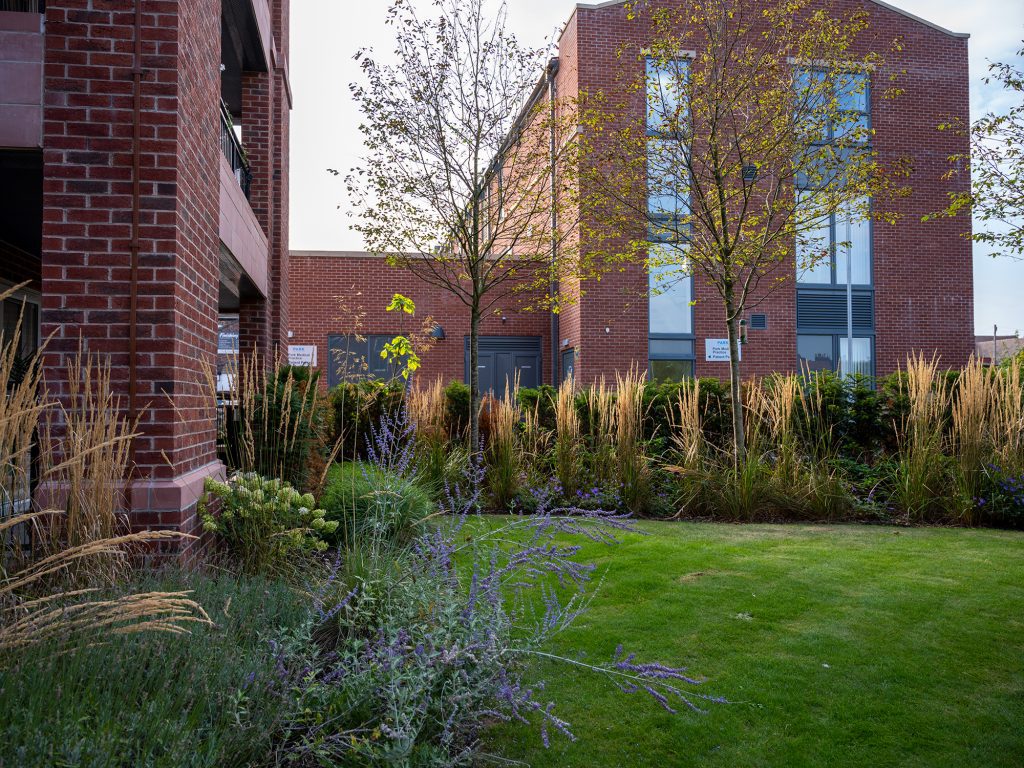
(400, 303)
(995, 163)
(400, 352)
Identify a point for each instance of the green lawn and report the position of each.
(838, 646)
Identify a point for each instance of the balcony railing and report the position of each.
(25, 6)
(233, 151)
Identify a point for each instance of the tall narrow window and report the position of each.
(835, 316)
(668, 191)
(666, 107)
(814, 245)
(853, 237)
(671, 294)
(834, 110)
(831, 352)
(859, 362)
(823, 245)
(670, 286)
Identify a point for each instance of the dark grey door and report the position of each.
(502, 357)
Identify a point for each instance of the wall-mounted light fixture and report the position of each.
(437, 332)
(504, 319)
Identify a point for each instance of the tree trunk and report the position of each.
(738, 433)
(474, 380)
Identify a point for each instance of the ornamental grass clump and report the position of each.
(153, 698)
(634, 475)
(567, 451)
(276, 424)
(1008, 418)
(971, 440)
(361, 497)
(263, 524)
(687, 429)
(602, 420)
(502, 453)
(923, 484)
(85, 445)
(427, 408)
(56, 559)
(380, 502)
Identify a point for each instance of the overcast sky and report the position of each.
(326, 33)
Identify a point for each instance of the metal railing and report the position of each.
(25, 6)
(233, 151)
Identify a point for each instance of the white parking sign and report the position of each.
(717, 350)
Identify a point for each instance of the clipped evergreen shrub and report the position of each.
(365, 500)
(358, 405)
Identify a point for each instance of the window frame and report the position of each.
(837, 340)
(833, 256)
(681, 357)
(368, 341)
(833, 76)
(649, 63)
(28, 296)
(829, 141)
(675, 233)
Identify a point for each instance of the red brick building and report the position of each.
(144, 184)
(911, 289)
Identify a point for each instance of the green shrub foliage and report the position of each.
(361, 499)
(262, 524)
(356, 406)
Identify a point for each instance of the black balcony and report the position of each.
(233, 151)
(25, 6)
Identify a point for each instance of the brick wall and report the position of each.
(279, 253)
(86, 259)
(924, 291)
(346, 293)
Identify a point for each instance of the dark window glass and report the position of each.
(671, 370)
(816, 353)
(28, 312)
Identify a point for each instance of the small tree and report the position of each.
(752, 136)
(995, 162)
(467, 181)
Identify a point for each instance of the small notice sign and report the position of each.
(717, 350)
(302, 354)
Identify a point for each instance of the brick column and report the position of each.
(254, 327)
(87, 229)
(279, 248)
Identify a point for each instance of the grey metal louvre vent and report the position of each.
(758, 322)
(507, 343)
(826, 310)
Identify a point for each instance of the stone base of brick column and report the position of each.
(155, 504)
